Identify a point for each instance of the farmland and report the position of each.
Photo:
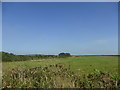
(79, 65)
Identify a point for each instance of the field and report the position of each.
(84, 64)
(80, 65)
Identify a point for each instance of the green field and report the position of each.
(80, 65)
(83, 64)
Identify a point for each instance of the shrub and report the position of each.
(64, 55)
(57, 76)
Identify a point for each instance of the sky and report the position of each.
(0, 26)
(84, 28)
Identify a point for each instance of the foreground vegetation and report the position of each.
(71, 72)
(57, 76)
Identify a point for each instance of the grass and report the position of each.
(0, 74)
(71, 72)
(83, 64)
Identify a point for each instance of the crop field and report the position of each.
(70, 72)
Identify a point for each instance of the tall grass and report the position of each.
(57, 76)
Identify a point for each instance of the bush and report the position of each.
(64, 55)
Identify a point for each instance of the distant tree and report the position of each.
(68, 54)
(4, 56)
(64, 55)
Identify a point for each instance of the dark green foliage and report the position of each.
(57, 76)
(12, 57)
(64, 55)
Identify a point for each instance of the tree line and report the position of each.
(12, 57)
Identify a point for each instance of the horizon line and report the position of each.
(63, 52)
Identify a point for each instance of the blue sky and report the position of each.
(51, 28)
(0, 26)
